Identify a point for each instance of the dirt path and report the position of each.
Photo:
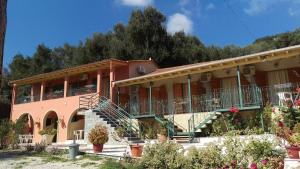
(21, 160)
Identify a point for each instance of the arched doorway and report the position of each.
(51, 121)
(76, 125)
(28, 123)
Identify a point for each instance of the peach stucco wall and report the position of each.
(64, 108)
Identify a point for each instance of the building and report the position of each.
(124, 92)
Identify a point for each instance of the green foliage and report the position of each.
(111, 164)
(49, 131)
(167, 155)
(10, 131)
(208, 157)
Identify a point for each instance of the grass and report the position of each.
(83, 165)
(92, 157)
(54, 159)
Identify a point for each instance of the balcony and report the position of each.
(279, 94)
(54, 95)
(217, 100)
(27, 99)
(87, 89)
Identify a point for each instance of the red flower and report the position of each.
(297, 102)
(253, 166)
(233, 163)
(298, 89)
(234, 109)
(265, 161)
(226, 167)
(280, 124)
(290, 105)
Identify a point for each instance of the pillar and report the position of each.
(32, 93)
(42, 91)
(190, 99)
(99, 78)
(239, 86)
(111, 80)
(66, 86)
(150, 97)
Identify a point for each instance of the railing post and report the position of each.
(150, 97)
(239, 86)
(190, 99)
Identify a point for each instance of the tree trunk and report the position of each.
(3, 21)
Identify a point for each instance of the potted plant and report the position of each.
(98, 136)
(162, 132)
(293, 139)
(136, 150)
(48, 135)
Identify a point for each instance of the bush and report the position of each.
(208, 157)
(98, 135)
(40, 147)
(10, 131)
(49, 131)
(164, 155)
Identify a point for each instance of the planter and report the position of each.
(97, 148)
(293, 152)
(47, 138)
(136, 150)
(161, 138)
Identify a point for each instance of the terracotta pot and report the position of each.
(161, 138)
(97, 148)
(293, 152)
(136, 150)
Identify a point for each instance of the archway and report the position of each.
(28, 122)
(51, 121)
(76, 125)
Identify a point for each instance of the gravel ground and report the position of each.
(21, 160)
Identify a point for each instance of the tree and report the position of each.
(3, 21)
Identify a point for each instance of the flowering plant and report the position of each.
(98, 135)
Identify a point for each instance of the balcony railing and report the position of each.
(82, 90)
(217, 99)
(278, 93)
(54, 95)
(27, 99)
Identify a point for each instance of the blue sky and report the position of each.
(217, 22)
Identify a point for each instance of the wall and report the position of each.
(149, 67)
(64, 108)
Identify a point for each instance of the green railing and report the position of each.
(271, 94)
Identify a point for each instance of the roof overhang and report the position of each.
(214, 65)
(105, 64)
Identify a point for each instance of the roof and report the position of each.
(104, 64)
(202, 67)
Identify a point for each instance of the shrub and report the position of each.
(5, 129)
(164, 155)
(98, 135)
(40, 147)
(49, 131)
(208, 157)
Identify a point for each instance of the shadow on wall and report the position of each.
(4, 110)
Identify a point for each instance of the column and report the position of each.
(14, 95)
(239, 86)
(66, 86)
(118, 96)
(190, 99)
(150, 97)
(32, 93)
(99, 78)
(111, 80)
(42, 91)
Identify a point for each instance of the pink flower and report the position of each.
(234, 109)
(298, 102)
(253, 166)
(226, 167)
(233, 163)
(265, 161)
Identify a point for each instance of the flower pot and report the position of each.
(136, 150)
(293, 152)
(47, 138)
(161, 138)
(97, 148)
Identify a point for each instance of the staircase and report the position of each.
(112, 115)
